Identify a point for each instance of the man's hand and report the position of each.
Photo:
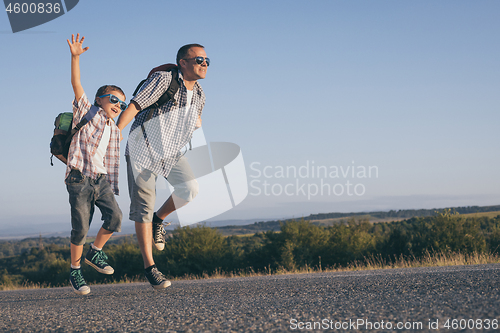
(76, 47)
(198, 123)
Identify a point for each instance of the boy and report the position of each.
(92, 171)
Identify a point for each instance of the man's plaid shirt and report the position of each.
(85, 142)
(170, 128)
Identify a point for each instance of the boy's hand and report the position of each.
(76, 47)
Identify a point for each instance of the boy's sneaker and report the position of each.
(97, 259)
(159, 235)
(77, 282)
(157, 279)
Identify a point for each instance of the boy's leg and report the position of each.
(82, 209)
(81, 200)
(76, 255)
(75, 276)
(110, 211)
(96, 257)
(102, 237)
(112, 217)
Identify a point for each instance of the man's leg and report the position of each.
(181, 177)
(144, 232)
(172, 203)
(142, 190)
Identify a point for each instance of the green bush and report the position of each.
(195, 250)
(299, 244)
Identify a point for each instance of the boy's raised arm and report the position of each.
(76, 49)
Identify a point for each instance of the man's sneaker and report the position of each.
(156, 279)
(77, 282)
(97, 259)
(159, 235)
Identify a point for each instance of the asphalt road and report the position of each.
(410, 299)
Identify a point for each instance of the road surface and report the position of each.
(417, 299)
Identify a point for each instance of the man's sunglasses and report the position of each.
(200, 60)
(113, 100)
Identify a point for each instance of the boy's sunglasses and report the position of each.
(200, 60)
(113, 100)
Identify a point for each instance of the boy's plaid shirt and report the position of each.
(85, 142)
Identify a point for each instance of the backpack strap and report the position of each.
(138, 87)
(171, 91)
(86, 118)
(166, 96)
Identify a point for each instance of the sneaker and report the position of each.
(157, 279)
(77, 282)
(159, 235)
(97, 259)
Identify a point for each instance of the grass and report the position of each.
(372, 263)
(23, 286)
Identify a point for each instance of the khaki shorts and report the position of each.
(142, 188)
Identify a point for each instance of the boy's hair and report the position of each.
(184, 50)
(105, 90)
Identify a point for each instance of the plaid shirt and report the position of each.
(85, 142)
(159, 148)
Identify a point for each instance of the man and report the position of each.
(154, 148)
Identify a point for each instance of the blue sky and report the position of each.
(410, 87)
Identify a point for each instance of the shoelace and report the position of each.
(159, 236)
(100, 257)
(157, 275)
(77, 276)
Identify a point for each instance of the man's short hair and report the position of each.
(184, 50)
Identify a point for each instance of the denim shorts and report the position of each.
(86, 193)
(142, 188)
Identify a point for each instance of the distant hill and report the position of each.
(329, 218)
(407, 213)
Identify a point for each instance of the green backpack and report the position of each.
(63, 133)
